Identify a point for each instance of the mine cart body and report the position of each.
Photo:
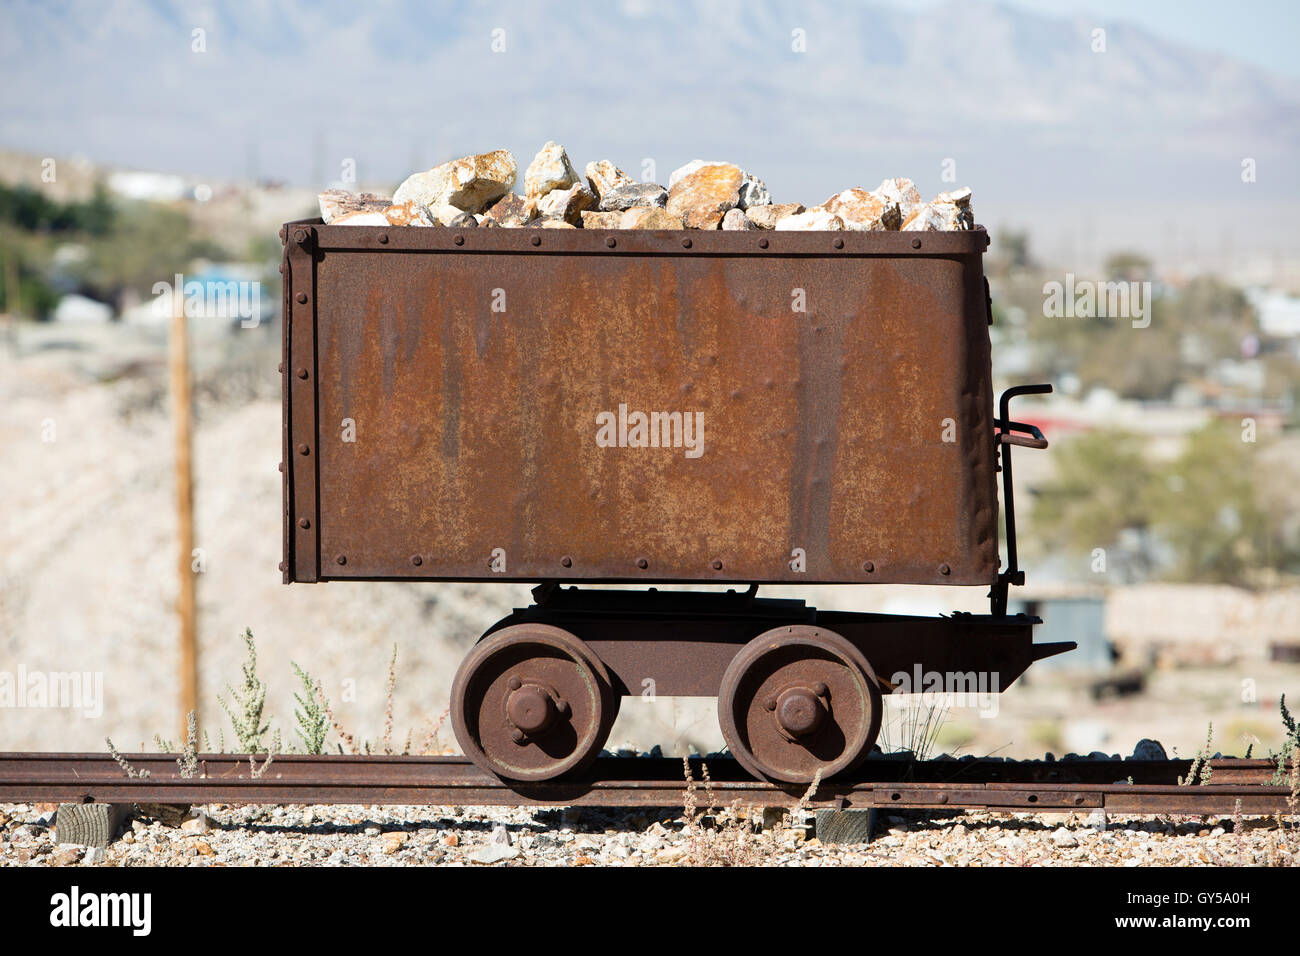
(619, 407)
(581, 407)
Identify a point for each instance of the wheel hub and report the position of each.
(800, 711)
(530, 708)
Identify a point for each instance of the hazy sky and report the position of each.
(1263, 32)
(1145, 142)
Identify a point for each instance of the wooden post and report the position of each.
(11, 283)
(182, 411)
(11, 298)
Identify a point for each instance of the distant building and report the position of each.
(1073, 617)
(1279, 312)
(1202, 624)
(79, 309)
(158, 187)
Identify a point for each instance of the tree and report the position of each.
(1100, 498)
(1128, 266)
(1222, 511)
(1207, 509)
(1010, 252)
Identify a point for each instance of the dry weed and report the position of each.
(727, 836)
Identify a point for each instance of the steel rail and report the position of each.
(454, 781)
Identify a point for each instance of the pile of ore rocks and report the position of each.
(479, 191)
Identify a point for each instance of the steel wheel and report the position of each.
(531, 702)
(796, 700)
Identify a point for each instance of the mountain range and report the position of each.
(1140, 143)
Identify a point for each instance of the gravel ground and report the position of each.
(464, 836)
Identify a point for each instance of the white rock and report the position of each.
(602, 220)
(899, 190)
(736, 221)
(549, 170)
(442, 215)
(339, 202)
(603, 176)
(566, 205)
(493, 853)
(811, 221)
(948, 211)
(863, 211)
(632, 195)
(1064, 838)
(702, 196)
(766, 217)
(401, 214)
(937, 217)
(650, 217)
(410, 213)
(689, 168)
(927, 218)
(510, 210)
(363, 218)
(751, 190)
(471, 183)
(960, 197)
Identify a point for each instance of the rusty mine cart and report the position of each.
(577, 408)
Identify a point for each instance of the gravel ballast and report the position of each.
(473, 836)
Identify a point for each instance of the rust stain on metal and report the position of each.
(474, 375)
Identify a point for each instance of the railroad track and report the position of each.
(612, 781)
